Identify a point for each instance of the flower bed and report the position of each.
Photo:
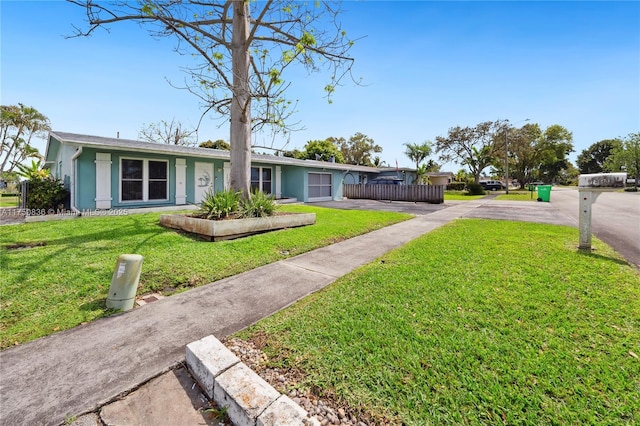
(226, 229)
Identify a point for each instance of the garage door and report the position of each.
(320, 187)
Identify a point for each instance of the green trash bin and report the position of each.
(544, 193)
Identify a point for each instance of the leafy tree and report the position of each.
(568, 176)
(359, 149)
(535, 154)
(592, 159)
(219, 144)
(418, 152)
(18, 125)
(626, 158)
(296, 153)
(243, 56)
(321, 150)
(470, 146)
(172, 133)
(555, 146)
(463, 175)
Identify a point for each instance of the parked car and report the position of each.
(491, 185)
(386, 180)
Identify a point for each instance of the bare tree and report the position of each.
(243, 56)
(168, 133)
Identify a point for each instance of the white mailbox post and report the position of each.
(590, 187)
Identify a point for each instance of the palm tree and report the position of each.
(25, 122)
(418, 152)
(33, 171)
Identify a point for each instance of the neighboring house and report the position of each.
(441, 176)
(407, 175)
(113, 173)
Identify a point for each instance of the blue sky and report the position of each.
(426, 67)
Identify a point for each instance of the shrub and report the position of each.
(219, 205)
(456, 186)
(258, 204)
(45, 194)
(475, 189)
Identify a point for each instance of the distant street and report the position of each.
(615, 218)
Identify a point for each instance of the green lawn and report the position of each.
(519, 196)
(12, 201)
(460, 196)
(478, 322)
(63, 279)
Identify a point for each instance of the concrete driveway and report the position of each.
(615, 215)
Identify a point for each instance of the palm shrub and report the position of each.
(258, 204)
(219, 205)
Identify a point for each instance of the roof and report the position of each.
(118, 144)
(440, 174)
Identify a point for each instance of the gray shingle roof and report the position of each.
(133, 145)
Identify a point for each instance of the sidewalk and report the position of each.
(79, 370)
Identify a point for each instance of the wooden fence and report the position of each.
(418, 193)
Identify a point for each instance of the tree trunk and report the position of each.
(16, 142)
(240, 128)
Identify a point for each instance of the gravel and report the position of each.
(326, 410)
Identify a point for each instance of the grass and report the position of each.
(61, 276)
(518, 196)
(12, 201)
(460, 196)
(478, 322)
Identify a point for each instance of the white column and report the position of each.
(278, 182)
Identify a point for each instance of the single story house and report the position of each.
(113, 173)
(407, 175)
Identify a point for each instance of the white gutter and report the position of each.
(74, 167)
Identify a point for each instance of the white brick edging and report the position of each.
(249, 399)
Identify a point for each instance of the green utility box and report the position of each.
(124, 283)
(544, 193)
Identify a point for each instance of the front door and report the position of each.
(203, 180)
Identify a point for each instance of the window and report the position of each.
(261, 179)
(158, 180)
(320, 187)
(143, 180)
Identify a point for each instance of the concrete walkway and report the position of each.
(77, 371)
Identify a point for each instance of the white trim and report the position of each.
(278, 182)
(145, 180)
